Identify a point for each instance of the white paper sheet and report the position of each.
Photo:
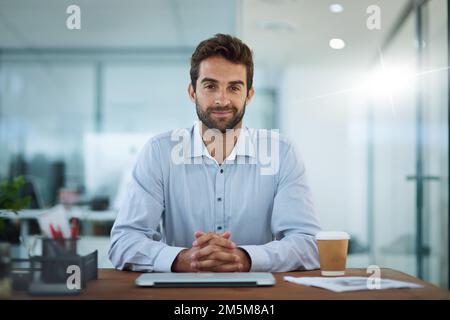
(58, 218)
(345, 284)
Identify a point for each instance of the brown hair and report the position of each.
(226, 46)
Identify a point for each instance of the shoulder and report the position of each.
(167, 148)
(166, 140)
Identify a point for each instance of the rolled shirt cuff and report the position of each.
(165, 258)
(259, 258)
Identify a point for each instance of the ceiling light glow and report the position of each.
(337, 44)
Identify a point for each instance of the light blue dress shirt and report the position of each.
(259, 194)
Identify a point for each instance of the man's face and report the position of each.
(221, 93)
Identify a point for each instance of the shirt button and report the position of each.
(221, 170)
(219, 199)
(219, 228)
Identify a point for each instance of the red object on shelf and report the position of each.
(56, 234)
(74, 229)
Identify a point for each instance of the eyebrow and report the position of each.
(236, 82)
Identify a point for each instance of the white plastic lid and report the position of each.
(332, 235)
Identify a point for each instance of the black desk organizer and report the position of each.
(48, 274)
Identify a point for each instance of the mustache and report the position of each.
(222, 109)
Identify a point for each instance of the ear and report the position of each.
(191, 92)
(250, 94)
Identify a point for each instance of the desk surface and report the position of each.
(113, 284)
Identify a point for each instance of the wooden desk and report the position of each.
(113, 284)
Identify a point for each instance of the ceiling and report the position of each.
(299, 31)
(114, 23)
(280, 32)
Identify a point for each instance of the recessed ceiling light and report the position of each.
(336, 8)
(337, 44)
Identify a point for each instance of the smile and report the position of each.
(221, 113)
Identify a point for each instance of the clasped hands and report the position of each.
(212, 252)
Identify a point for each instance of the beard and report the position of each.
(220, 124)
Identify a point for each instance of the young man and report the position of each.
(221, 208)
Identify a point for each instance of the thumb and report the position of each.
(198, 234)
(226, 234)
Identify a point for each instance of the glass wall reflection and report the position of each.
(370, 119)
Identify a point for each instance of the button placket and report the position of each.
(219, 200)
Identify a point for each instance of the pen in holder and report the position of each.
(59, 247)
(56, 254)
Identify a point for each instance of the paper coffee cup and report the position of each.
(333, 246)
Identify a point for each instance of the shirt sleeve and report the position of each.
(293, 223)
(135, 236)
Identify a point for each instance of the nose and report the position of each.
(222, 99)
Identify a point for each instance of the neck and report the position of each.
(218, 144)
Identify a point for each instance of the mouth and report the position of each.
(222, 114)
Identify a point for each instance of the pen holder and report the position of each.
(51, 273)
(57, 256)
(56, 269)
(59, 247)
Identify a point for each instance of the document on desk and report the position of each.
(345, 284)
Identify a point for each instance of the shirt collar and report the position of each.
(244, 145)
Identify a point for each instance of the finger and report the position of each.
(206, 254)
(198, 234)
(197, 255)
(220, 256)
(208, 264)
(216, 240)
(204, 238)
(219, 241)
(194, 266)
(230, 267)
(226, 235)
(206, 251)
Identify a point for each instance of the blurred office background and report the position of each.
(367, 111)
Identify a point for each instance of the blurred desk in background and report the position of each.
(89, 241)
(84, 215)
(75, 212)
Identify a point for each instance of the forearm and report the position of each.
(135, 251)
(293, 252)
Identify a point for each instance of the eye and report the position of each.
(235, 88)
(210, 86)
